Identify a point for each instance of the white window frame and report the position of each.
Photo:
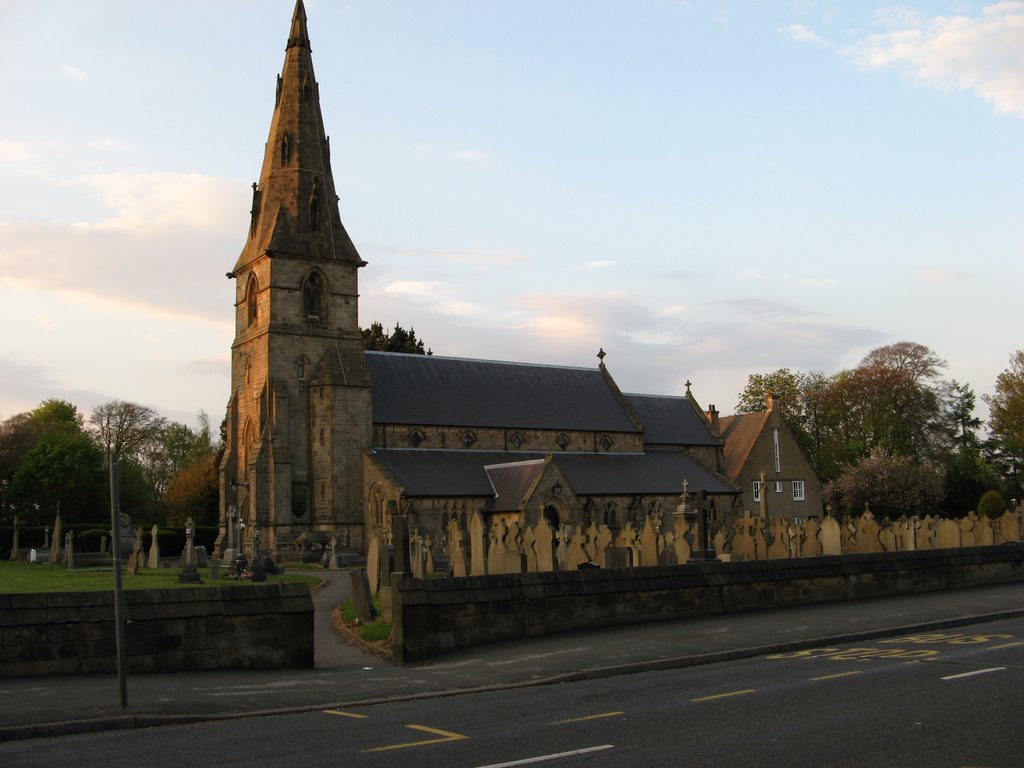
(778, 456)
(798, 490)
(757, 490)
(778, 486)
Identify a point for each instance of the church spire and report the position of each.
(295, 208)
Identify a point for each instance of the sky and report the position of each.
(704, 190)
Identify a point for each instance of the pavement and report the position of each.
(348, 676)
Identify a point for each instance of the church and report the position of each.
(326, 442)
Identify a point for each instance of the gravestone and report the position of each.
(496, 547)
(429, 566)
(760, 542)
(779, 547)
(135, 559)
(544, 546)
(810, 541)
(867, 533)
(400, 542)
(69, 549)
(601, 543)
(831, 537)
(887, 537)
(373, 564)
(189, 574)
(743, 538)
(968, 525)
(947, 534)
(456, 549)
(721, 543)
(575, 554)
(56, 544)
(154, 547)
(648, 544)
(477, 545)
(926, 533)
(680, 543)
(984, 535)
(1009, 527)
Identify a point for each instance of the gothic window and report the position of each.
(611, 515)
(416, 438)
(300, 368)
(252, 295)
(468, 439)
(516, 440)
(563, 441)
(285, 151)
(312, 296)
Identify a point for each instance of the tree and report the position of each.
(968, 474)
(63, 470)
(399, 340)
(890, 486)
(17, 436)
(192, 492)
(126, 429)
(1006, 420)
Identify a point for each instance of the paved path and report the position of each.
(345, 676)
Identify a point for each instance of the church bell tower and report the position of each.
(300, 413)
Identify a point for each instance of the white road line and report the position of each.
(542, 758)
(972, 674)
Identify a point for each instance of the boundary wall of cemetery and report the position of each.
(433, 616)
(267, 626)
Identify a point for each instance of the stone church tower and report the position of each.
(300, 411)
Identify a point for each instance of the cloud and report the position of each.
(14, 154)
(802, 34)
(73, 72)
(943, 276)
(166, 202)
(600, 264)
(983, 54)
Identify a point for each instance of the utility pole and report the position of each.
(115, 542)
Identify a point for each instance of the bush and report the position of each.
(991, 505)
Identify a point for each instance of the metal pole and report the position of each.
(115, 541)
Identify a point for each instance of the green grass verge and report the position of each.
(24, 578)
(375, 630)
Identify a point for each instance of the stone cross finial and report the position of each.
(601, 355)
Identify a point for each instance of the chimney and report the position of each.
(712, 416)
(771, 401)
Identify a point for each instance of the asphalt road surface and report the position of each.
(946, 698)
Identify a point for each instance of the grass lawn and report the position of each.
(38, 577)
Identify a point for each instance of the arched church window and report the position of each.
(312, 296)
(252, 296)
(285, 151)
(300, 368)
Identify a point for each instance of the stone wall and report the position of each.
(432, 616)
(169, 630)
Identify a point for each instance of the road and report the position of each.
(946, 698)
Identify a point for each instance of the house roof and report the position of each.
(671, 421)
(740, 433)
(449, 391)
(465, 473)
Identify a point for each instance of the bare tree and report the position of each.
(126, 429)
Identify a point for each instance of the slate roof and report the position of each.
(740, 434)
(449, 391)
(513, 483)
(463, 473)
(671, 421)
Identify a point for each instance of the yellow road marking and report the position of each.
(724, 695)
(588, 717)
(833, 677)
(1007, 645)
(445, 736)
(339, 713)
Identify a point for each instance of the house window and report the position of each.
(798, 490)
(775, 438)
(757, 490)
(778, 486)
